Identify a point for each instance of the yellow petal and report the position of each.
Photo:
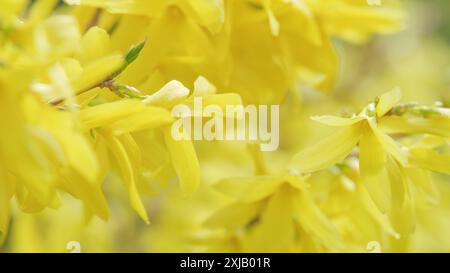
(273, 22)
(297, 180)
(275, 230)
(79, 154)
(96, 72)
(128, 175)
(402, 211)
(149, 118)
(375, 212)
(170, 94)
(209, 13)
(431, 160)
(422, 180)
(104, 114)
(203, 87)
(390, 145)
(372, 160)
(94, 45)
(356, 21)
(434, 125)
(40, 10)
(57, 36)
(91, 194)
(387, 101)
(29, 202)
(328, 151)
(185, 162)
(234, 216)
(336, 121)
(314, 222)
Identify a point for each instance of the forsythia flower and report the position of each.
(42, 149)
(88, 95)
(387, 168)
(126, 127)
(273, 214)
(257, 48)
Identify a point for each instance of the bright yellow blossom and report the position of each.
(386, 166)
(88, 96)
(257, 48)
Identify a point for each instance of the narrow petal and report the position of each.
(128, 175)
(96, 72)
(336, 121)
(390, 145)
(234, 216)
(149, 118)
(431, 160)
(94, 45)
(170, 94)
(185, 162)
(375, 212)
(327, 151)
(210, 13)
(274, 232)
(387, 101)
(203, 87)
(104, 114)
(402, 211)
(434, 125)
(422, 179)
(315, 223)
(91, 195)
(249, 189)
(372, 160)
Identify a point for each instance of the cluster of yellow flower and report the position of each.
(87, 88)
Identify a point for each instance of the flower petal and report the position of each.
(104, 114)
(128, 174)
(372, 160)
(402, 212)
(327, 151)
(149, 118)
(274, 232)
(96, 72)
(185, 162)
(387, 101)
(390, 145)
(336, 121)
(234, 216)
(422, 179)
(431, 160)
(314, 221)
(249, 189)
(434, 125)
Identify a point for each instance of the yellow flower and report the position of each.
(43, 149)
(272, 213)
(341, 194)
(382, 160)
(356, 21)
(257, 48)
(268, 213)
(133, 128)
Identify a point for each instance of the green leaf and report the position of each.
(134, 52)
(130, 57)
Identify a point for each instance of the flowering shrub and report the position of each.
(87, 92)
